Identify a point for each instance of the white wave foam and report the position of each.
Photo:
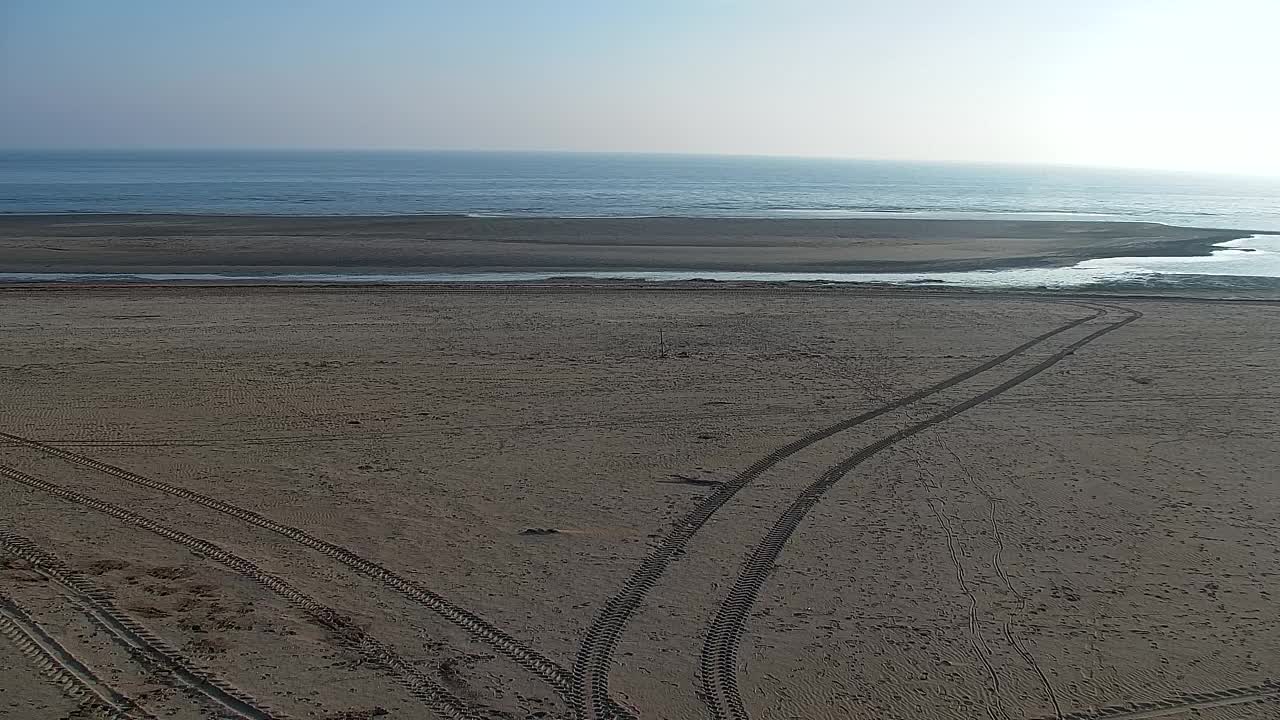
(1257, 256)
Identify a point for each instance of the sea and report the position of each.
(488, 184)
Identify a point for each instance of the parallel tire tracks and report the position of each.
(435, 696)
(132, 635)
(720, 649)
(997, 563)
(61, 667)
(475, 626)
(595, 654)
(1010, 634)
(995, 709)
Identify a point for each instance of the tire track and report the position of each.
(475, 626)
(595, 654)
(997, 563)
(61, 667)
(720, 649)
(435, 696)
(1185, 703)
(991, 695)
(1010, 634)
(132, 635)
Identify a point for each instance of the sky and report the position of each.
(1167, 84)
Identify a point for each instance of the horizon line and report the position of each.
(648, 153)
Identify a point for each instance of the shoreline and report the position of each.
(391, 245)
(957, 216)
(570, 285)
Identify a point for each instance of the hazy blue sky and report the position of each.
(1188, 84)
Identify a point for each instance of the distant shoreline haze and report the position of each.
(88, 151)
(542, 184)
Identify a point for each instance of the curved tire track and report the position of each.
(720, 649)
(131, 634)
(997, 563)
(435, 696)
(595, 654)
(61, 667)
(475, 626)
(1187, 702)
(991, 695)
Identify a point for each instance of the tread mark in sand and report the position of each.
(991, 695)
(997, 563)
(475, 626)
(1268, 691)
(595, 654)
(61, 667)
(720, 648)
(435, 696)
(131, 634)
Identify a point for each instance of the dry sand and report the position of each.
(159, 243)
(253, 502)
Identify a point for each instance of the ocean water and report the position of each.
(599, 185)
(575, 185)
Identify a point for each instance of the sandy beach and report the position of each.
(211, 244)
(639, 361)
(636, 502)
